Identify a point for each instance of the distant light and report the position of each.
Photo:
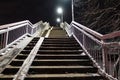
(59, 10)
(58, 20)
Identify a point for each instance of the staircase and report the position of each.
(61, 59)
(58, 58)
(13, 66)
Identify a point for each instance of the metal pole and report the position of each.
(119, 68)
(72, 10)
(62, 17)
(7, 37)
(105, 52)
(27, 29)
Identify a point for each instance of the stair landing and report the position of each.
(58, 33)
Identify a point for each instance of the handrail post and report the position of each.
(27, 29)
(7, 33)
(32, 31)
(105, 57)
(84, 40)
(119, 68)
(36, 28)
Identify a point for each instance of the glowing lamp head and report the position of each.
(59, 10)
(58, 20)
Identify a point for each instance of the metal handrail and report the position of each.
(11, 32)
(3, 30)
(98, 35)
(88, 30)
(104, 54)
(13, 24)
(92, 37)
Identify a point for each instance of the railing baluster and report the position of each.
(105, 58)
(6, 40)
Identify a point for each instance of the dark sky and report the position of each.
(33, 10)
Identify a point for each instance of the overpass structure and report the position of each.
(69, 52)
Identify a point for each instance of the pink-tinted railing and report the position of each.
(10, 32)
(104, 50)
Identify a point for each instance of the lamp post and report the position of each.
(72, 10)
(60, 11)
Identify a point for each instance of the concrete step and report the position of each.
(53, 56)
(59, 40)
(61, 69)
(6, 77)
(59, 28)
(53, 47)
(59, 45)
(25, 51)
(61, 62)
(31, 44)
(60, 51)
(16, 63)
(60, 48)
(36, 38)
(29, 47)
(48, 56)
(69, 43)
(34, 41)
(10, 70)
(52, 70)
(21, 56)
(58, 77)
(53, 62)
(71, 76)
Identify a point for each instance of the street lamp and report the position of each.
(60, 11)
(58, 20)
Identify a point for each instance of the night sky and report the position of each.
(33, 10)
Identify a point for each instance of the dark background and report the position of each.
(102, 16)
(33, 10)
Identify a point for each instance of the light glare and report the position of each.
(60, 10)
(58, 19)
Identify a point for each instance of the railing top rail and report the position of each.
(96, 34)
(12, 28)
(14, 24)
(99, 42)
(88, 30)
(112, 35)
